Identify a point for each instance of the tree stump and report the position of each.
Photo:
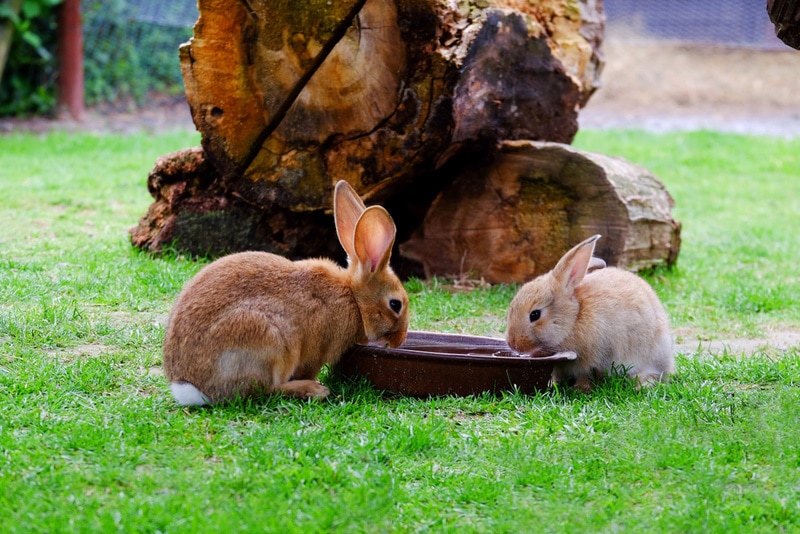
(292, 97)
(510, 215)
(785, 16)
(434, 108)
(192, 215)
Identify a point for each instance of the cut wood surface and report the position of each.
(292, 97)
(435, 108)
(511, 216)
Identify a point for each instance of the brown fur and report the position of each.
(609, 318)
(252, 323)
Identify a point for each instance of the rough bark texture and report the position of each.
(291, 97)
(209, 222)
(785, 15)
(430, 107)
(512, 215)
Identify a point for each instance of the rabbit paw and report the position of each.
(304, 389)
(583, 383)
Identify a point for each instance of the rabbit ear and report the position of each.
(596, 264)
(347, 208)
(571, 268)
(373, 239)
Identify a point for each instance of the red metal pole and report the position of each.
(70, 59)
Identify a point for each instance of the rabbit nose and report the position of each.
(519, 344)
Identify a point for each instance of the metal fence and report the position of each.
(131, 47)
(734, 23)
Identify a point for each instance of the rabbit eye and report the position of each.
(395, 305)
(535, 315)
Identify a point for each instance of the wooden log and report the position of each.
(291, 97)
(785, 16)
(511, 215)
(192, 214)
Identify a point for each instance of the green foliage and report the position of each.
(441, 306)
(29, 78)
(128, 57)
(124, 58)
(737, 199)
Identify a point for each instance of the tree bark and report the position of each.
(292, 97)
(785, 16)
(192, 216)
(508, 216)
(430, 107)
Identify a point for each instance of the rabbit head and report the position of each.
(545, 310)
(367, 235)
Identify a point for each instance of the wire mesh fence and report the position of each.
(732, 23)
(131, 47)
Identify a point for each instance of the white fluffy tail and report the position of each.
(187, 395)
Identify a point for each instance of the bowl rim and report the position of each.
(421, 351)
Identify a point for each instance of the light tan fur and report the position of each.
(253, 323)
(611, 318)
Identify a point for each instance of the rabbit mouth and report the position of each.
(530, 349)
(391, 340)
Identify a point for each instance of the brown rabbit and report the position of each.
(608, 317)
(253, 323)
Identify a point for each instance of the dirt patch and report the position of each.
(157, 114)
(659, 86)
(86, 350)
(773, 343)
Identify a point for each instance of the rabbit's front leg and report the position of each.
(304, 389)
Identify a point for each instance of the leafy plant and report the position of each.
(29, 79)
(125, 56)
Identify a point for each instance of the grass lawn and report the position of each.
(91, 440)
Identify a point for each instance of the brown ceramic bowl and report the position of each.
(429, 363)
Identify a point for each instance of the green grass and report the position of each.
(90, 439)
(738, 198)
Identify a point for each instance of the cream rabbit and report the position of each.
(252, 322)
(608, 317)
